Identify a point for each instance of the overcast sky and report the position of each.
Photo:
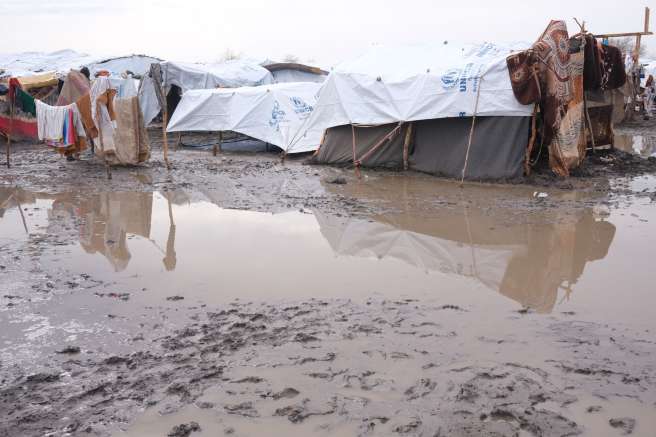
(322, 31)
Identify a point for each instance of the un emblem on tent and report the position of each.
(451, 78)
(300, 107)
(277, 115)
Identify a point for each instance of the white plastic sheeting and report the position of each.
(419, 82)
(269, 113)
(230, 74)
(28, 63)
(137, 64)
(290, 75)
(186, 76)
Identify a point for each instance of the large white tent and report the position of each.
(187, 76)
(137, 64)
(390, 84)
(30, 63)
(62, 61)
(270, 113)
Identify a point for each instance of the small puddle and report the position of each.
(641, 145)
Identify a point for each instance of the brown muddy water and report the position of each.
(468, 316)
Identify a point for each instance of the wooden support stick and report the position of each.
(353, 140)
(622, 35)
(531, 141)
(217, 146)
(165, 143)
(587, 117)
(178, 141)
(647, 14)
(11, 131)
(165, 121)
(406, 146)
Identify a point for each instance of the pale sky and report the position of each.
(322, 31)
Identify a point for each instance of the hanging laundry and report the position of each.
(60, 127)
(75, 86)
(614, 73)
(102, 113)
(593, 64)
(25, 102)
(130, 137)
(84, 106)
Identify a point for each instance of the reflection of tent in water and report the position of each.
(527, 263)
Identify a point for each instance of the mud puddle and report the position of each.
(641, 145)
(489, 311)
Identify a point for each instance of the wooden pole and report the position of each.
(531, 141)
(11, 131)
(178, 141)
(406, 145)
(217, 146)
(165, 121)
(353, 141)
(647, 14)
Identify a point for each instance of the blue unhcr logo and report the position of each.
(277, 115)
(300, 107)
(451, 78)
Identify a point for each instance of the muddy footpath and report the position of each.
(239, 295)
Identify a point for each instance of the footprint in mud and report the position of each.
(626, 424)
(184, 429)
(245, 409)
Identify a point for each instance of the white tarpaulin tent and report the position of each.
(137, 64)
(269, 113)
(187, 76)
(419, 82)
(29, 63)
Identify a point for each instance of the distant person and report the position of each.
(650, 97)
(86, 72)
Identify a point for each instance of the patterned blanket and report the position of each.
(550, 74)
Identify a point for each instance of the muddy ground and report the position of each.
(372, 364)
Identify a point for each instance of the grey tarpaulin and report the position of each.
(337, 146)
(438, 146)
(497, 151)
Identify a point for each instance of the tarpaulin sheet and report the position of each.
(419, 82)
(270, 113)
